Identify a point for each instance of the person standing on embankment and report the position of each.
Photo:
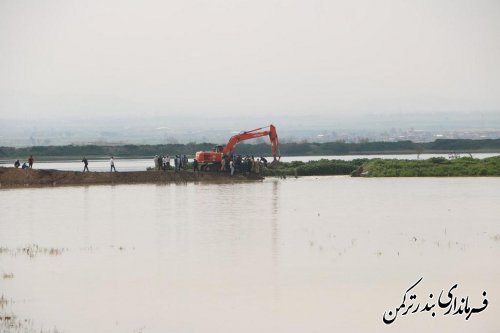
(85, 164)
(112, 164)
(195, 165)
(168, 162)
(30, 161)
(231, 166)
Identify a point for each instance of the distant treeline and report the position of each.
(287, 149)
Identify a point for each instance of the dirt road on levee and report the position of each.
(14, 178)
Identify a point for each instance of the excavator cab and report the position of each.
(218, 149)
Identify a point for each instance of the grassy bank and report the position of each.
(314, 168)
(433, 167)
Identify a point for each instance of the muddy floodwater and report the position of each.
(314, 254)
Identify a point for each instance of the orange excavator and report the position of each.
(211, 160)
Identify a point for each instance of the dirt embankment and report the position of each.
(11, 177)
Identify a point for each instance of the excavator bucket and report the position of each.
(274, 164)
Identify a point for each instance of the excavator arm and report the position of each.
(256, 133)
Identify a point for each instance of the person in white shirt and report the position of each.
(231, 166)
(112, 164)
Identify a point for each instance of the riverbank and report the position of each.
(13, 178)
(432, 167)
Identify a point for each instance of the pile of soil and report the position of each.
(12, 177)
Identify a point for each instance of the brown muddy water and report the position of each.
(314, 254)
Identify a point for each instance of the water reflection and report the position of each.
(274, 221)
(85, 213)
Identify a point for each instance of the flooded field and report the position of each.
(314, 254)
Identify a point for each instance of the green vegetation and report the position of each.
(433, 167)
(313, 168)
(287, 149)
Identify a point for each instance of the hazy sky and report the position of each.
(255, 57)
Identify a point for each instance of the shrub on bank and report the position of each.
(433, 167)
(313, 168)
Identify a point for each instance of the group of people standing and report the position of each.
(163, 162)
(26, 165)
(247, 164)
(238, 163)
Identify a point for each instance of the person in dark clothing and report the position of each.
(247, 163)
(252, 164)
(195, 165)
(168, 162)
(264, 161)
(85, 164)
(30, 161)
(17, 164)
(177, 163)
(238, 163)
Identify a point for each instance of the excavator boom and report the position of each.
(256, 133)
(216, 156)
